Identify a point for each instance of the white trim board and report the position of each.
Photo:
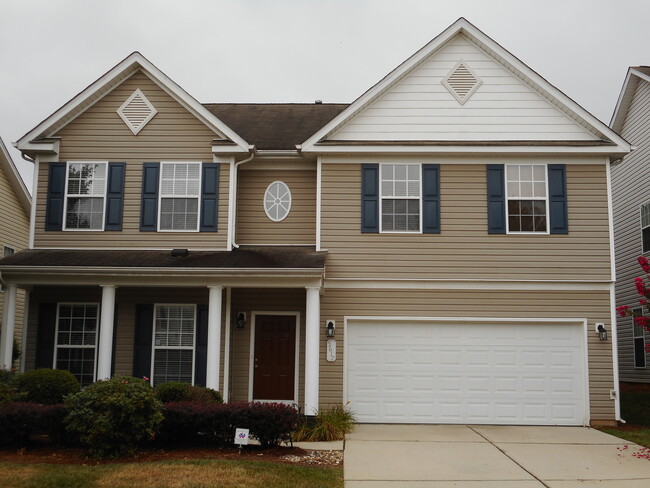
(251, 359)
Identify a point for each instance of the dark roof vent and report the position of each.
(180, 253)
(318, 102)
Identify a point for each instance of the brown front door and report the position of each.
(274, 362)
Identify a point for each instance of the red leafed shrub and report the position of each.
(17, 422)
(193, 423)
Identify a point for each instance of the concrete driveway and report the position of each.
(428, 456)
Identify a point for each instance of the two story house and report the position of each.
(438, 251)
(15, 208)
(631, 194)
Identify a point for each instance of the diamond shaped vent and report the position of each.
(461, 82)
(136, 111)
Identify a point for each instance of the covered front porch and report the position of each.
(245, 323)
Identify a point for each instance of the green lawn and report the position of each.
(635, 410)
(175, 474)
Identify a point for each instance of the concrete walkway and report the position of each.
(434, 456)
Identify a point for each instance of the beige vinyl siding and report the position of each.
(127, 299)
(630, 189)
(14, 233)
(419, 107)
(464, 250)
(254, 226)
(174, 134)
(592, 305)
(251, 300)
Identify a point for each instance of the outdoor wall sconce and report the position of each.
(602, 332)
(330, 328)
(241, 320)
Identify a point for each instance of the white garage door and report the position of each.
(476, 373)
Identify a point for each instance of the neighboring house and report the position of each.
(631, 195)
(450, 229)
(15, 208)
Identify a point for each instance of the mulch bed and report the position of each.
(288, 455)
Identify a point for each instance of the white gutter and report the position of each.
(233, 199)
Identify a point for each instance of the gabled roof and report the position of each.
(110, 80)
(508, 60)
(15, 180)
(275, 126)
(634, 75)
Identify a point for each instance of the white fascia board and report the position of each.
(493, 48)
(15, 180)
(424, 149)
(625, 97)
(230, 149)
(125, 68)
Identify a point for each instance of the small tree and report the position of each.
(643, 289)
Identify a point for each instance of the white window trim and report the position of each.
(546, 199)
(56, 335)
(290, 201)
(198, 197)
(184, 348)
(642, 228)
(635, 337)
(66, 196)
(251, 362)
(381, 200)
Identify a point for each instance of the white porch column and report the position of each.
(214, 337)
(8, 327)
(312, 350)
(105, 349)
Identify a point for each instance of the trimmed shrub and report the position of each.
(51, 420)
(46, 386)
(271, 423)
(8, 385)
(112, 417)
(329, 425)
(18, 421)
(194, 423)
(175, 391)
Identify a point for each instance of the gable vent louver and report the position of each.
(136, 111)
(461, 82)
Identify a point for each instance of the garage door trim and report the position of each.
(474, 320)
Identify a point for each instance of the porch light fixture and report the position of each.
(241, 320)
(602, 332)
(180, 253)
(330, 328)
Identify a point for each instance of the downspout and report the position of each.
(233, 194)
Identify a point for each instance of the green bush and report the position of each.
(329, 425)
(112, 417)
(176, 391)
(8, 385)
(46, 386)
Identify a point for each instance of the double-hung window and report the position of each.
(645, 226)
(401, 190)
(173, 343)
(180, 187)
(527, 201)
(76, 340)
(638, 336)
(85, 195)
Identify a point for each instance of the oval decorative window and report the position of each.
(277, 201)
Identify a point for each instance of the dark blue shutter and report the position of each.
(558, 214)
(142, 346)
(55, 197)
(496, 197)
(149, 207)
(45, 335)
(370, 198)
(115, 196)
(431, 199)
(209, 197)
(201, 347)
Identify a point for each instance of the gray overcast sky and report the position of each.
(298, 50)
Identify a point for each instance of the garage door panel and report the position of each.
(537, 377)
